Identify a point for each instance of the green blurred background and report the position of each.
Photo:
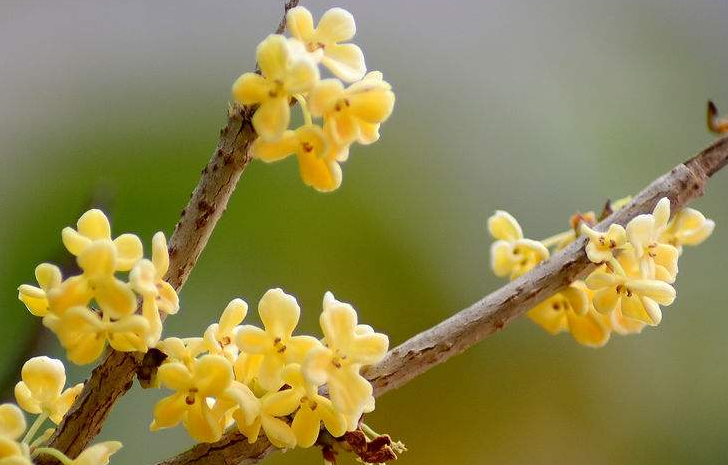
(540, 108)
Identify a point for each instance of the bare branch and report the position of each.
(114, 376)
(415, 356)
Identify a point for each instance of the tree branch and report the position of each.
(114, 376)
(415, 356)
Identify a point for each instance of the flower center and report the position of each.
(341, 104)
(278, 345)
(191, 396)
(623, 290)
(310, 403)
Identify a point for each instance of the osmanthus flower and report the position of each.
(284, 74)
(345, 61)
(346, 348)
(624, 326)
(94, 226)
(40, 390)
(601, 246)
(36, 298)
(184, 351)
(279, 313)
(84, 333)
(219, 338)
(98, 262)
(313, 408)
(356, 112)
(317, 159)
(657, 260)
(98, 454)
(210, 377)
(570, 310)
(511, 254)
(12, 426)
(271, 408)
(687, 227)
(147, 279)
(637, 298)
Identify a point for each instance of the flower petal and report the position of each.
(175, 375)
(321, 174)
(299, 23)
(213, 375)
(74, 241)
(338, 323)
(368, 349)
(640, 232)
(345, 61)
(251, 88)
(64, 403)
(278, 432)
(503, 226)
(281, 403)
(12, 421)
(98, 259)
(94, 225)
(334, 421)
(335, 25)
(45, 377)
(115, 297)
(253, 340)
(272, 118)
(302, 76)
(129, 251)
(279, 312)
(270, 374)
(233, 315)
(588, 329)
(306, 426)
(551, 319)
(277, 150)
(200, 422)
(316, 367)
(98, 454)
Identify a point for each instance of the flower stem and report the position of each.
(42, 438)
(369, 431)
(304, 108)
(55, 453)
(34, 427)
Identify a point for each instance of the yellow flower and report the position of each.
(270, 407)
(36, 298)
(279, 313)
(220, 337)
(147, 279)
(687, 227)
(98, 454)
(184, 351)
(346, 349)
(84, 333)
(624, 326)
(94, 226)
(316, 161)
(12, 426)
(345, 61)
(98, 262)
(570, 310)
(284, 74)
(636, 297)
(41, 388)
(511, 254)
(210, 376)
(354, 113)
(313, 409)
(656, 260)
(601, 246)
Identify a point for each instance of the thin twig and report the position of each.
(114, 376)
(415, 356)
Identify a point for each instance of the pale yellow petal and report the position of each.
(213, 375)
(34, 299)
(335, 25)
(233, 315)
(659, 291)
(325, 95)
(143, 278)
(662, 213)
(374, 106)
(74, 241)
(115, 297)
(251, 88)
(244, 398)
(94, 225)
(349, 390)
(345, 61)
(270, 374)
(334, 421)
(302, 76)
(25, 399)
(175, 375)
(246, 367)
(321, 174)
(169, 411)
(344, 127)
(129, 334)
(98, 259)
(279, 433)
(12, 421)
(298, 347)
(501, 258)
(281, 403)
(279, 312)
(202, 425)
(64, 403)
(338, 323)
(503, 226)
(277, 150)
(306, 426)
(640, 232)
(368, 349)
(588, 329)
(168, 298)
(73, 292)
(11, 452)
(633, 307)
(317, 365)
(45, 377)
(606, 300)
(272, 54)
(160, 254)
(272, 117)
(48, 276)
(299, 23)
(97, 454)
(129, 251)
(253, 340)
(577, 297)
(549, 315)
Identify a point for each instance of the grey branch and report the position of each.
(415, 356)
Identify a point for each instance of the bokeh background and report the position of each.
(540, 108)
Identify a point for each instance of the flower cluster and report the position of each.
(41, 392)
(268, 378)
(95, 307)
(638, 265)
(289, 70)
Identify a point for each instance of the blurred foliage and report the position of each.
(538, 108)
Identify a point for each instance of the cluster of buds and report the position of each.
(41, 392)
(289, 71)
(637, 269)
(268, 378)
(95, 307)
